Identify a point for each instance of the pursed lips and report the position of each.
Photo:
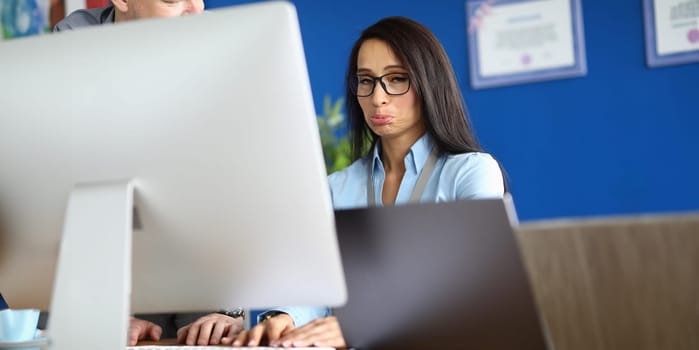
(381, 119)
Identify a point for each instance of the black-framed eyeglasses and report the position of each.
(392, 84)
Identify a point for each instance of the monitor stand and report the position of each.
(92, 287)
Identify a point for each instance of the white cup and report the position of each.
(18, 325)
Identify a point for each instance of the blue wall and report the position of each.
(620, 140)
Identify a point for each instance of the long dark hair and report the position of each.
(433, 79)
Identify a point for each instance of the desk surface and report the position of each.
(628, 283)
(172, 341)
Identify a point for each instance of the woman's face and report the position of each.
(388, 116)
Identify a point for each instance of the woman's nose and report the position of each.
(379, 97)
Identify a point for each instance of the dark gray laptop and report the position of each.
(436, 276)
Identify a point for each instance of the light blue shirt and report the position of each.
(472, 175)
(455, 176)
(300, 314)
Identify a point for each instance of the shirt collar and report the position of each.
(107, 15)
(416, 158)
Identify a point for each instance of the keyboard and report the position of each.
(208, 347)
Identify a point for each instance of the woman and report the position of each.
(411, 141)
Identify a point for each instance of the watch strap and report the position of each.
(235, 313)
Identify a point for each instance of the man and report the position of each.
(126, 10)
(192, 328)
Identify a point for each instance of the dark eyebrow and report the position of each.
(369, 71)
(398, 66)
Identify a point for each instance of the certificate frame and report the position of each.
(653, 57)
(476, 16)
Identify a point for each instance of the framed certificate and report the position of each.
(672, 31)
(521, 41)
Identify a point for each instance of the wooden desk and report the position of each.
(159, 342)
(629, 283)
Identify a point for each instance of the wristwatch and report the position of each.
(235, 313)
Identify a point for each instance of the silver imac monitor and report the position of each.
(173, 163)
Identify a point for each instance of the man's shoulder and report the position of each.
(86, 17)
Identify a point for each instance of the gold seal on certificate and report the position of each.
(672, 31)
(518, 41)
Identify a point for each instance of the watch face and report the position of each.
(235, 313)
(238, 312)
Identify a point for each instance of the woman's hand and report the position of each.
(324, 331)
(268, 331)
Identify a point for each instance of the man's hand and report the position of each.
(269, 330)
(141, 329)
(212, 329)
